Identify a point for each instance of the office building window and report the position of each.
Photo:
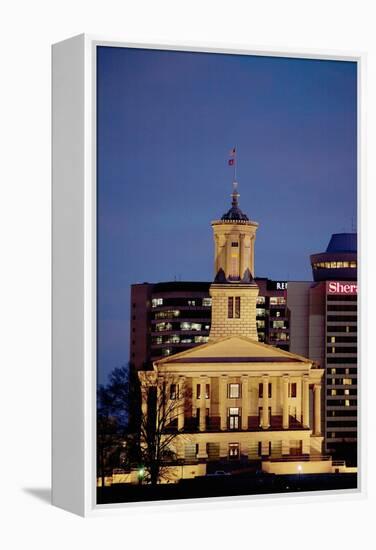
(206, 302)
(157, 302)
(233, 391)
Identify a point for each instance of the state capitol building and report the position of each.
(234, 398)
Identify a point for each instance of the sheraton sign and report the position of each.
(337, 287)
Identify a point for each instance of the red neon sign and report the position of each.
(337, 287)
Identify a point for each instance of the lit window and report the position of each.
(333, 339)
(352, 264)
(196, 326)
(201, 339)
(347, 403)
(234, 391)
(163, 326)
(233, 418)
(173, 391)
(166, 351)
(333, 371)
(191, 302)
(347, 392)
(260, 300)
(333, 392)
(157, 302)
(185, 326)
(206, 302)
(233, 451)
(277, 300)
(347, 381)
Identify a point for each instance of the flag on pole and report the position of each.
(231, 160)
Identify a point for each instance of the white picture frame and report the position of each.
(74, 270)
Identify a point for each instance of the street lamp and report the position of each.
(141, 473)
(299, 472)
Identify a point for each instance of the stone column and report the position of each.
(285, 447)
(161, 400)
(306, 448)
(242, 257)
(264, 448)
(252, 254)
(317, 408)
(285, 404)
(228, 255)
(181, 406)
(265, 402)
(223, 401)
(202, 450)
(202, 426)
(305, 401)
(144, 397)
(245, 403)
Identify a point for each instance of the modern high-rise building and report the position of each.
(323, 327)
(234, 398)
(170, 317)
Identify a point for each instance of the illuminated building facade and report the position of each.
(323, 318)
(239, 399)
(170, 317)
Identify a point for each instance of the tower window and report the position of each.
(237, 307)
(230, 307)
(231, 310)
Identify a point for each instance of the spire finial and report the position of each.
(235, 194)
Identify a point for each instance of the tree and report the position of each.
(108, 434)
(163, 400)
(116, 444)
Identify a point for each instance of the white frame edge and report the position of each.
(74, 276)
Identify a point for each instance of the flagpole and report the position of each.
(235, 163)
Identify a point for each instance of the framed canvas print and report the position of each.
(205, 274)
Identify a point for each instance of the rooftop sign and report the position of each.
(337, 287)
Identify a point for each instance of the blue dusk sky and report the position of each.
(166, 122)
